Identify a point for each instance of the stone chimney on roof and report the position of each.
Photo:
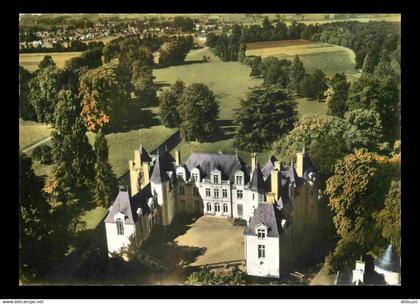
(178, 157)
(253, 161)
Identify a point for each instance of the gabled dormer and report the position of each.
(181, 173)
(195, 175)
(239, 178)
(261, 231)
(216, 176)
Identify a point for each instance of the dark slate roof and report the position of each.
(226, 163)
(269, 166)
(257, 180)
(163, 164)
(129, 205)
(145, 157)
(389, 260)
(269, 215)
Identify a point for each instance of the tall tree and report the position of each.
(34, 246)
(47, 61)
(337, 99)
(142, 81)
(266, 114)
(313, 85)
(357, 192)
(198, 111)
(66, 112)
(26, 110)
(389, 218)
(170, 101)
(276, 71)
(106, 184)
(104, 100)
(43, 91)
(297, 73)
(379, 94)
(368, 64)
(256, 67)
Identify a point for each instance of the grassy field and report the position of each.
(31, 132)
(328, 58)
(30, 61)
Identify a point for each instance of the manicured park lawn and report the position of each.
(92, 217)
(306, 106)
(30, 61)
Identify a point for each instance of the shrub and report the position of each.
(43, 154)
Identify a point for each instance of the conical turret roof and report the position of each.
(389, 260)
(257, 179)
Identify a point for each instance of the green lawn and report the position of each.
(92, 217)
(31, 132)
(306, 106)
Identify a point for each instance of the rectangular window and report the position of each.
(225, 208)
(217, 207)
(208, 207)
(239, 194)
(261, 233)
(195, 191)
(208, 192)
(240, 210)
(261, 251)
(120, 227)
(253, 196)
(215, 179)
(181, 190)
(195, 177)
(239, 180)
(216, 193)
(224, 191)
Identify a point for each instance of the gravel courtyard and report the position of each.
(222, 240)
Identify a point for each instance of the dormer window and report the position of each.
(181, 175)
(120, 226)
(261, 232)
(195, 177)
(239, 179)
(215, 179)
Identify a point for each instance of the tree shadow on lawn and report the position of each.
(136, 118)
(226, 130)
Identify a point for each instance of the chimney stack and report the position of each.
(253, 161)
(275, 183)
(178, 157)
(299, 162)
(277, 165)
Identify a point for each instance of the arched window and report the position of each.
(225, 208)
(217, 207)
(120, 227)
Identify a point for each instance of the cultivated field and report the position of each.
(223, 241)
(328, 58)
(30, 61)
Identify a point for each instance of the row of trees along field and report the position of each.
(71, 46)
(376, 44)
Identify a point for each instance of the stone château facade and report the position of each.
(279, 203)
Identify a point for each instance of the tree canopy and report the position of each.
(169, 101)
(266, 114)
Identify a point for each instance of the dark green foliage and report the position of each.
(266, 114)
(227, 46)
(142, 81)
(368, 125)
(276, 71)
(169, 101)
(175, 51)
(106, 184)
(368, 64)
(337, 100)
(43, 154)
(256, 66)
(73, 160)
(185, 23)
(242, 51)
(380, 95)
(26, 110)
(206, 277)
(297, 73)
(313, 85)
(66, 112)
(46, 62)
(324, 153)
(34, 247)
(389, 219)
(198, 112)
(43, 91)
(344, 256)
